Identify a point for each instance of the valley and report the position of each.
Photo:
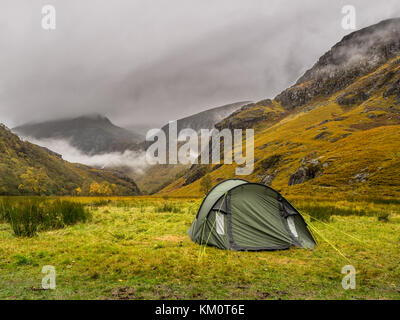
(78, 193)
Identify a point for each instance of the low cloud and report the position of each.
(134, 160)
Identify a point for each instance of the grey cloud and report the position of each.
(153, 61)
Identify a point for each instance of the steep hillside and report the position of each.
(336, 130)
(27, 169)
(94, 134)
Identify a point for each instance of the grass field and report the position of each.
(137, 248)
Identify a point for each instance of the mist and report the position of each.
(135, 161)
(141, 62)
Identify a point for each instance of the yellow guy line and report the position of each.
(215, 220)
(349, 235)
(315, 229)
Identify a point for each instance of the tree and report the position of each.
(205, 184)
(86, 187)
(95, 189)
(34, 181)
(106, 189)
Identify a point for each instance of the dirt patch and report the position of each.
(237, 290)
(124, 293)
(160, 292)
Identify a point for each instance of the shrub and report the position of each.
(205, 184)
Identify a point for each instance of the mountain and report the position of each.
(206, 119)
(335, 132)
(91, 134)
(27, 169)
(358, 54)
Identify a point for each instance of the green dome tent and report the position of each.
(240, 215)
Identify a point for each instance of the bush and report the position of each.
(30, 215)
(206, 184)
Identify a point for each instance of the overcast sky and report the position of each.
(150, 61)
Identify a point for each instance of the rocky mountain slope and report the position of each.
(27, 169)
(335, 132)
(92, 134)
(358, 54)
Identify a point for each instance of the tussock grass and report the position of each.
(169, 207)
(325, 212)
(27, 216)
(324, 209)
(99, 203)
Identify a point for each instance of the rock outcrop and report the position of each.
(309, 170)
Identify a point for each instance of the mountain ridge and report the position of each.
(91, 134)
(357, 54)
